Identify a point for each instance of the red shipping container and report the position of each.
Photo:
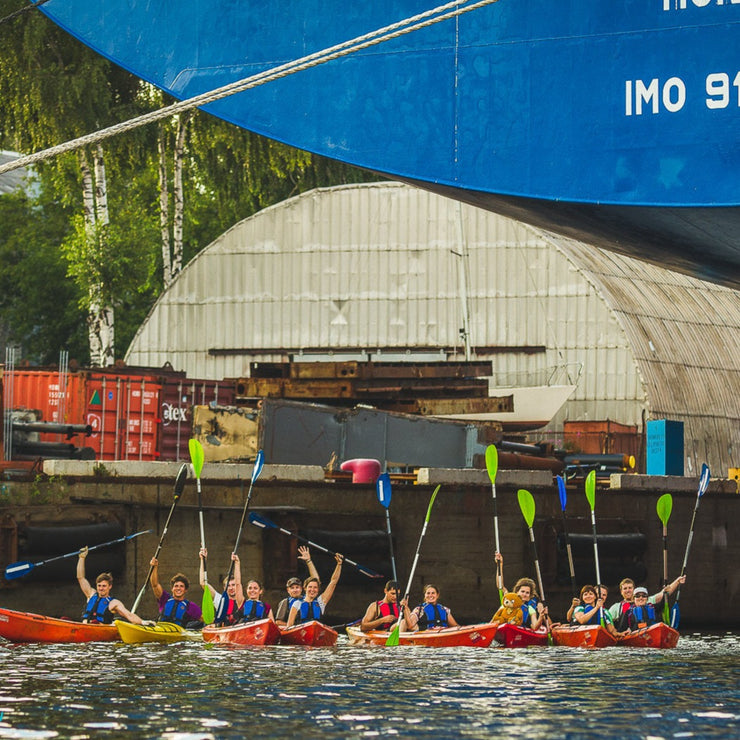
(123, 411)
(179, 395)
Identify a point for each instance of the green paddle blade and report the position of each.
(431, 502)
(526, 504)
(492, 462)
(591, 489)
(394, 635)
(209, 613)
(664, 508)
(196, 456)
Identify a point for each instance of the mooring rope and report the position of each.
(387, 33)
(23, 10)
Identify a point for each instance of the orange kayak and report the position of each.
(309, 633)
(27, 627)
(583, 636)
(473, 635)
(259, 632)
(514, 636)
(658, 635)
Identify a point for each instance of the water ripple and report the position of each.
(188, 691)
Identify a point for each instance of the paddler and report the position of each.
(526, 589)
(383, 614)
(619, 611)
(314, 604)
(174, 607)
(592, 611)
(101, 607)
(254, 608)
(234, 593)
(430, 613)
(294, 587)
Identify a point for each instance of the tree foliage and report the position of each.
(54, 89)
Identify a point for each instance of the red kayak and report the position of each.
(27, 627)
(583, 636)
(514, 636)
(474, 635)
(260, 632)
(658, 635)
(311, 633)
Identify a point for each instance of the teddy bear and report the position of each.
(510, 610)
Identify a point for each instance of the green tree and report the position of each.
(54, 89)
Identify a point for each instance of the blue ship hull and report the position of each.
(616, 123)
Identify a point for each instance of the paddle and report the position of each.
(383, 489)
(264, 523)
(591, 496)
(393, 638)
(259, 461)
(24, 567)
(563, 500)
(492, 467)
(182, 476)
(197, 457)
(664, 508)
(526, 504)
(703, 483)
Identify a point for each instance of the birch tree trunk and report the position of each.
(105, 317)
(164, 209)
(182, 123)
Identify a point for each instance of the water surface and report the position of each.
(191, 690)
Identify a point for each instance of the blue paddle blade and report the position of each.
(383, 489)
(260, 521)
(259, 461)
(703, 479)
(675, 616)
(561, 491)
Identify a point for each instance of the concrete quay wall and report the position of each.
(456, 554)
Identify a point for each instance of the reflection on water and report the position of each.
(189, 690)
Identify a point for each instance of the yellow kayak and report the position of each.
(159, 632)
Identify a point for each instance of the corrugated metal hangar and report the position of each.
(389, 272)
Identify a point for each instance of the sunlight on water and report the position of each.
(190, 691)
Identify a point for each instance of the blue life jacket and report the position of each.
(593, 619)
(432, 615)
(253, 610)
(641, 616)
(308, 611)
(174, 611)
(96, 609)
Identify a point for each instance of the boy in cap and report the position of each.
(294, 587)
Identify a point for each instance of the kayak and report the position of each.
(259, 632)
(311, 633)
(583, 636)
(514, 636)
(658, 635)
(473, 635)
(27, 627)
(159, 632)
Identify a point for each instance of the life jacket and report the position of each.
(227, 612)
(256, 610)
(527, 615)
(174, 611)
(96, 609)
(621, 623)
(595, 617)
(641, 616)
(308, 611)
(432, 615)
(384, 609)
